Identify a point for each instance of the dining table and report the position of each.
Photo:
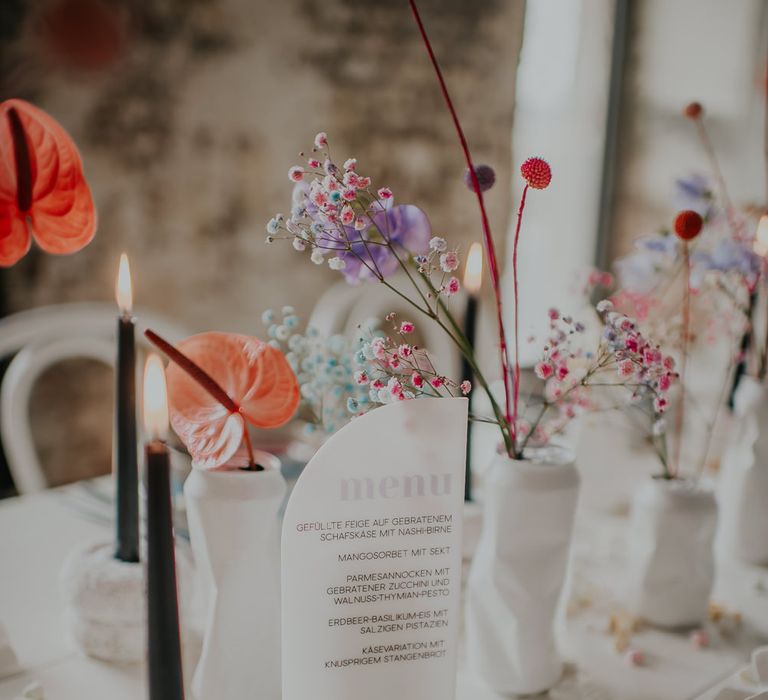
(38, 531)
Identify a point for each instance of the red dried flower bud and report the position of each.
(688, 225)
(537, 173)
(693, 110)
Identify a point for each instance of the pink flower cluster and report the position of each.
(624, 359)
(395, 369)
(639, 363)
(438, 264)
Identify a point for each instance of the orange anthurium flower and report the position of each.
(217, 384)
(43, 192)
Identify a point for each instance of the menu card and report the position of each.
(372, 558)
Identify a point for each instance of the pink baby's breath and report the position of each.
(385, 193)
(543, 370)
(449, 262)
(296, 173)
(347, 215)
(626, 368)
(406, 327)
(321, 140)
(465, 387)
(378, 348)
(452, 287)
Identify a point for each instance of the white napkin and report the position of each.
(9, 664)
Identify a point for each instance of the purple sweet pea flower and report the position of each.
(728, 256)
(639, 272)
(407, 229)
(694, 192)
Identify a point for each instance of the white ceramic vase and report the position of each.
(671, 562)
(235, 534)
(743, 483)
(518, 571)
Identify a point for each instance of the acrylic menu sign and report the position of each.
(372, 558)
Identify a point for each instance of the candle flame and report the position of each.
(761, 237)
(473, 272)
(123, 290)
(155, 397)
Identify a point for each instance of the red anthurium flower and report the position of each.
(43, 192)
(220, 382)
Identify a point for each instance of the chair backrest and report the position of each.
(342, 308)
(41, 338)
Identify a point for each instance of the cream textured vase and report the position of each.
(671, 561)
(235, 534)
(743, 481)
(518, 571)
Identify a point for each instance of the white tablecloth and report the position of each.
(37, 532)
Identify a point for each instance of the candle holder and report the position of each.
(106, 603)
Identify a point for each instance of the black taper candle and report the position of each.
(164, 640)
(470, 323)
(125, 446)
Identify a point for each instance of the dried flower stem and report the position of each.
(680, 421)
(516, 388)
(490, 249)
(765, 129)
(718, 172)
(206, 381)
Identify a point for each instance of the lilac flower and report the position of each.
(727, 256)
(640, 271)
(405, 227)
(694, 193)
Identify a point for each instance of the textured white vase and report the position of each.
(518, 571)
(743, 483)
(235, 534)
(671, 561)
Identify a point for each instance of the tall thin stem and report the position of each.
(516, 389)
(490, 249)
(680, 422)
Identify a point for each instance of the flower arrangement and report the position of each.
(700, 280)
(340, 219)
